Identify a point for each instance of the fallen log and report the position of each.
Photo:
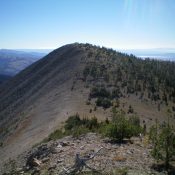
(79, 164)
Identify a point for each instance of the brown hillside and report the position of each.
(35, 100)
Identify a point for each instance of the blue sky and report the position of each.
(123, 24)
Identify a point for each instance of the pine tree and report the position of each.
(163, 140)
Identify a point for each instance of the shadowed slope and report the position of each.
(26, 101)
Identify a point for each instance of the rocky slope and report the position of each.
(54, 157)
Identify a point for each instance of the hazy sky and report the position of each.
(122, 24)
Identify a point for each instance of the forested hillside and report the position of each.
(88, 80)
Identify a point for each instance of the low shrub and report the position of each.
(57, 134)
(76, 126)
(77, 131)
(99, 92)
(121, 127)
(103, 102)
(72, 121)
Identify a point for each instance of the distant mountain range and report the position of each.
(40, 51)
(13, 61)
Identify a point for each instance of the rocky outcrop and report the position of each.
(56, 157)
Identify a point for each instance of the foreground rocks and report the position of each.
(58, 156)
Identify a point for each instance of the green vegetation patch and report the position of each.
(75, 126)
(103, 102)
(118, 128)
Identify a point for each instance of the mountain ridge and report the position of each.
(42, 96)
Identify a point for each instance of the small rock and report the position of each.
(46, 159)
(59, 146)
(59, 160)
(36, 162)
(82, 147)
(52, 167)
(19, 169)
(129, 152)
(56, 150)
(62, 144)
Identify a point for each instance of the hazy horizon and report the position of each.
(164, 49)
(157, 53)
(52, 48)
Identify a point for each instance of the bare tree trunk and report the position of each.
(79, 164)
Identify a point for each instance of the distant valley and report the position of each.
(4, 78)
(12, 61)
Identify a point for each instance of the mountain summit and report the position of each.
(84, 79)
